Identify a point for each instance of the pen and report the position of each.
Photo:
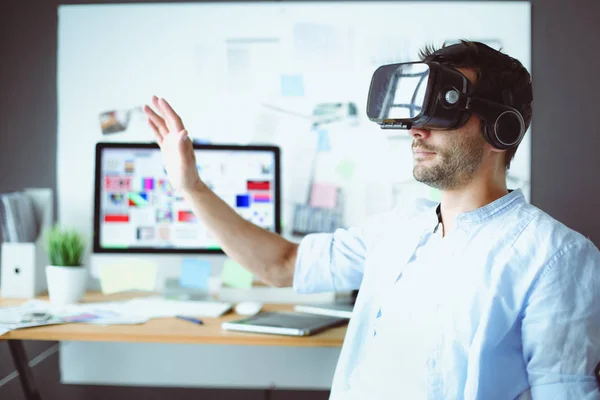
(190, 319)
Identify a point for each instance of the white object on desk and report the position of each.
(340, 310)
(159, 308)
(22, 270)
(131, 311)
(248, 308)
(12, 318)
(66, 285)
(22, 264)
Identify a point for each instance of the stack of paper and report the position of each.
(12, 318)
(18, 221)
(136, 311)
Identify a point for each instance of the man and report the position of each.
(480, 297)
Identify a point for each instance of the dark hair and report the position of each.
(497, 74)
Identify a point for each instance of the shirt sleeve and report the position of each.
(561, 326)
(330, 261)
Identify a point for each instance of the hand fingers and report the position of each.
(155, 102)
(173, 120)
(159, 137)
(158, 122)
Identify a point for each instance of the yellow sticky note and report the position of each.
(235, 275)
(128, 276)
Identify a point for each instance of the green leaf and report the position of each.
(65, 247)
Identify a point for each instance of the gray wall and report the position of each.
(565, 146)
(565, 161)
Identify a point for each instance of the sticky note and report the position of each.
(138, 275)
(435, 194)
(234, 275)
(194, 274)
(323, 195)
(323, 144)
(345, 169)
(292, 85)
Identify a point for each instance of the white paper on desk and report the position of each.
(106, 313)
(7, 314)
(119, 320)
(11, 317)
(69, 310)
(4, 328)
(135, 311)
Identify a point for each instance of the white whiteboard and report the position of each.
(251, 73)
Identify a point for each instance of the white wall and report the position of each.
(219, 64)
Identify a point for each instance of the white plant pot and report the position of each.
(66, 285)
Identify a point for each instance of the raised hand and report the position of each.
(176, 147)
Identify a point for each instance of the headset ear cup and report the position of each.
(489, 133)
(508, 129)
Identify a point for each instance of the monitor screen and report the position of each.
(136, 209)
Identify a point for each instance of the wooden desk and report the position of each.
(163, 330)
(171, 330)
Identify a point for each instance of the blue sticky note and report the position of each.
(323, 144)
(194, 274)
(292, 85)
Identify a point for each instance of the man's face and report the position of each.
(447, 160)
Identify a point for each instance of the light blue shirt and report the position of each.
(505, 306)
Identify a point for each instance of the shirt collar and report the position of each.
(499, 206)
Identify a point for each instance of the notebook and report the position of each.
(284, 323)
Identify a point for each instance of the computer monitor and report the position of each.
(137, 211)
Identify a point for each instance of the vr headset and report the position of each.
(429, 95)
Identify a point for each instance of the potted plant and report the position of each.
(65, 275)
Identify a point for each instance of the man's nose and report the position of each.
(418, 133)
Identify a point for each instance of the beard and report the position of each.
(454, 165)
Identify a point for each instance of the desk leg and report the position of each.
(25, 374)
